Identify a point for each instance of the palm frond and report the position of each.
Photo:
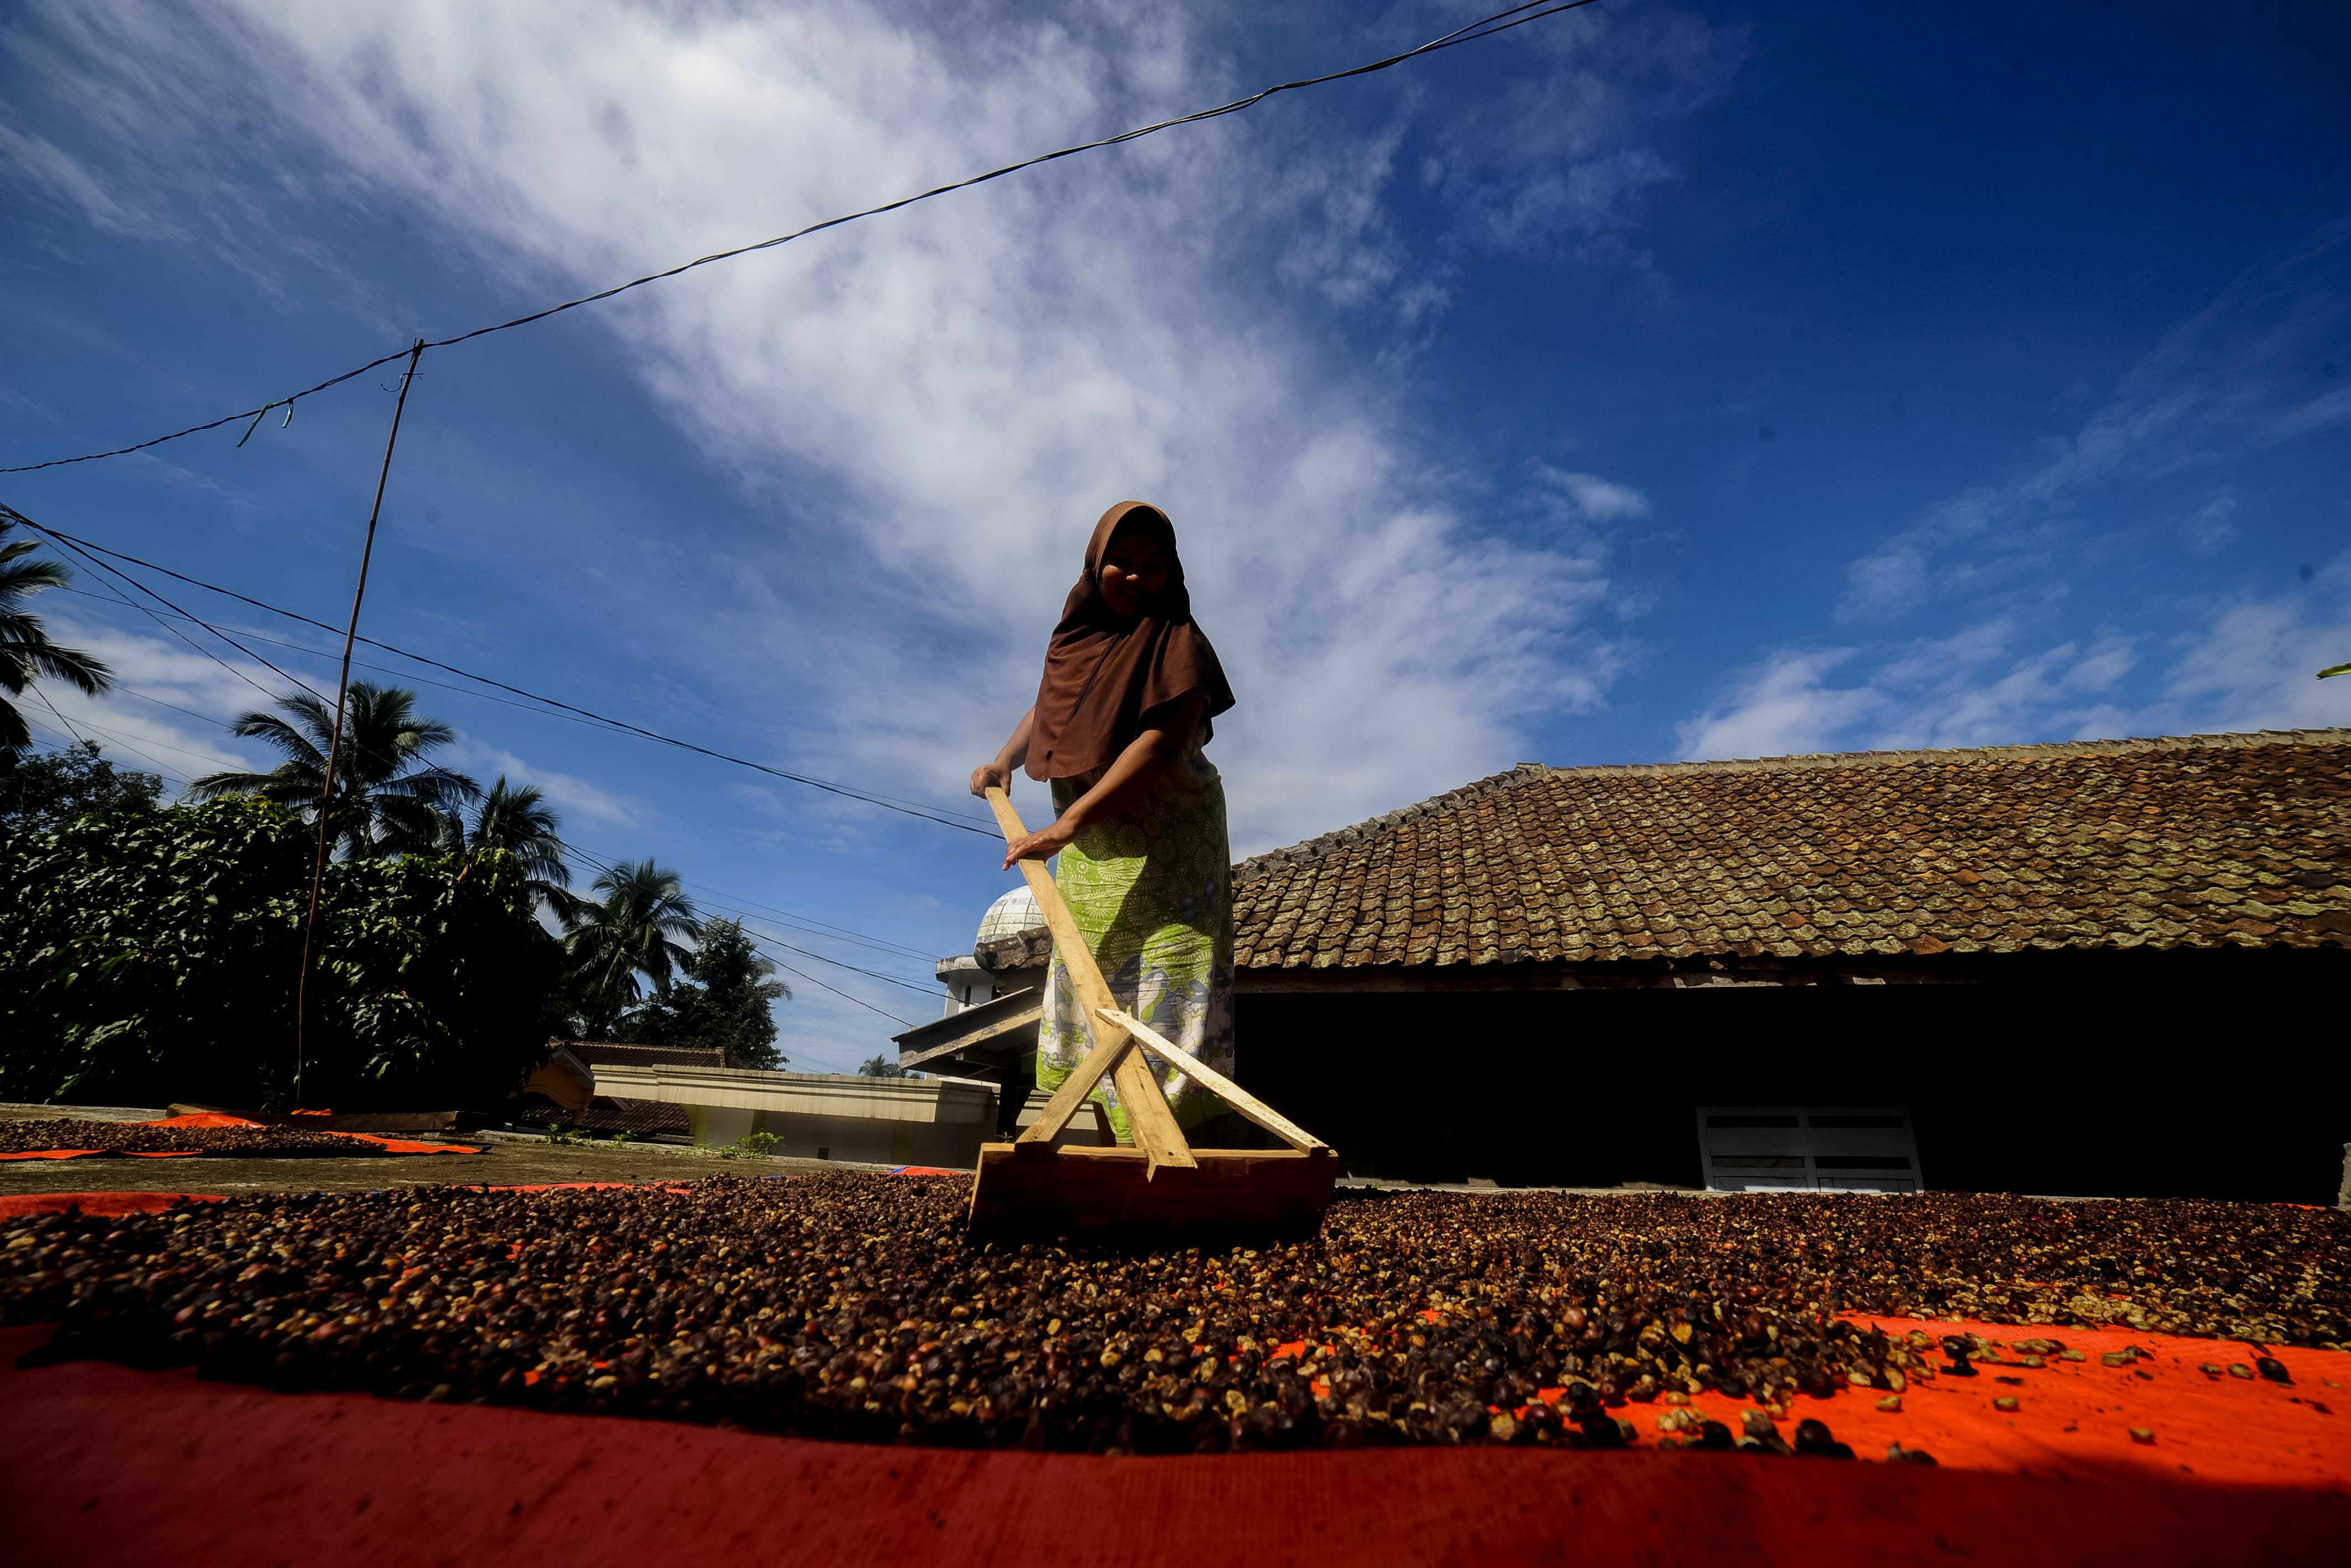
(38, 656)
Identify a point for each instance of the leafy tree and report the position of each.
(726, 1006)
(150, 956)
(388, 798)
(632, 931)
(519, 820)
(26, 654)
(41, 787)
(879, 1066)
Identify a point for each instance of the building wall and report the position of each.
(879, 1121)
(858, 1139)
(2221, 1074)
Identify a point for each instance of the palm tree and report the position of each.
(631, 932)
(518, 819)
(388, 799)
(26, 654)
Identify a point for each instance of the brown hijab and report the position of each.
(1104, 674)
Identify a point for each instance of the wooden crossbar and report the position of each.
(1241, 1101)
(1148, 1117)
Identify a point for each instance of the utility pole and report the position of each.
(335, 740)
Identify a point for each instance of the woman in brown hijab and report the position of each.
(1120, 717)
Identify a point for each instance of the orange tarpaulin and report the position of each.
(95, 1153)
(2077, 1417)
(222, 1119)
(99, 1203)
(2072, 1418)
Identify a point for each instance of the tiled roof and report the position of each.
(610, 1053)
(2200, 840)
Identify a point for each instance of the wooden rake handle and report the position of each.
(1148, 1116)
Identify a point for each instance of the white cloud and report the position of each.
(973, 380)
(1559, 158)
(2230, 383)
(2230, 380)
(60, 175)
(1783, 708)
(1964, 690)
(174, 727)
(578, 800)
(2248, 665)
(1594, 499)
(2254, 664)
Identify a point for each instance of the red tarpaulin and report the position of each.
(102, 1465)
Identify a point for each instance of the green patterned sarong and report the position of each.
(1153, 893)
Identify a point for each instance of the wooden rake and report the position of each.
(1039, 1186)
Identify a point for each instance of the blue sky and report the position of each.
(1653, 382)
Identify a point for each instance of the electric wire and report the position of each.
(132, 745)
(186, 614)
(89, 551)
(62, 719)
(803, 924)
(602, 863)
(1484, 27)
(837, 991)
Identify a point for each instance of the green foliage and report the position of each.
(26, 654)
(41, 787)
(2335, 670)
(879, 1066)
(621, 1138)
(517, 818)
(632, 932)
(725, 1006)
(150, 957)
(750, 1146)
(388, 798)
(560, 1131)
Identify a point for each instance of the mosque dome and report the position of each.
(1010, 915)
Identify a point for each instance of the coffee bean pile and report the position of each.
(145, 1138)
(847, 1306)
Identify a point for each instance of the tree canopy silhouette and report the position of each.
(388, 798)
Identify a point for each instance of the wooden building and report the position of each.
(2107, 967)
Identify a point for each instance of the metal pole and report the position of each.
(335, 740)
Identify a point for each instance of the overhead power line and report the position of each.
(89, 551)
(735, 905)
(765, 938)
(86, 553)
(1484, 27)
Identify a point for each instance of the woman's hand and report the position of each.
(1043, 843)
(989, 774)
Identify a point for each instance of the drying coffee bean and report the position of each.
(2269, 1366)
(1814, 1441)
(1896, 1454)
(143, 1138)
(849, 1306)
